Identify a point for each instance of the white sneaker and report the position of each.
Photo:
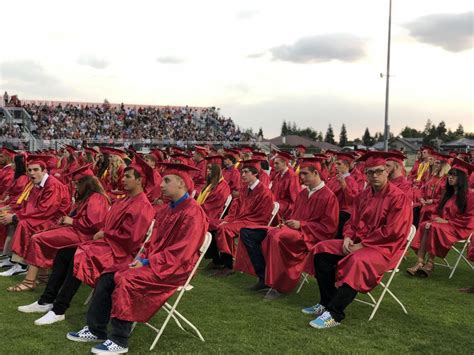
(16, 269)
(36, 308)
(6, 263)
(49, 318)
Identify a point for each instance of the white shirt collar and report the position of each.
(346, 175)
(254, 185)
(317, 188)
(43, 180)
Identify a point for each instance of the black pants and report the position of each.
(62, 285)
(98, 315)
(343, 218)
(416, 216)
(252, 239)
(218, 258)
(334, 299)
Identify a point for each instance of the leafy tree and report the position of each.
(343, 136)
(367, 138)
(329, 138)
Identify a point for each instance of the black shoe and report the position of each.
(259, 287)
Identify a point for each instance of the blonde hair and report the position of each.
(444, 169)
(114, 166)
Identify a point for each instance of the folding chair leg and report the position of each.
(89, 298)
(304, 279)
(185, 320)
(461, 256)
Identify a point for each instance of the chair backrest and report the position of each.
(276, 207)
(410, 237)
(226, 206)
(202, 251)
(147, 238)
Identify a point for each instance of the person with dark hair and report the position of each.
(453, 221)
(254, 208)
(374, 240)
(201, 164)
(48, 200)
(231, 174)
(117, 242)
(6, 170)
(212, 198)
(86, 219)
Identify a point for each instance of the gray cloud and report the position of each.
(256, 55)
(247, 14)
(452, 32)
(322, 48)
(92, 61)
(169, 60)
(29, 78)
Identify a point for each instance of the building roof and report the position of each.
(294, 140)
(460, 143)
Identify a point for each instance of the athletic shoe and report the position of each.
(315, 310)
(324, 321)
(108, 347)
(49, 318)
(36, 308)
(16, 269)
(83, 336)
(6, 262)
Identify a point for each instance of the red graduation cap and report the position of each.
(344, 156)
(42, 160)
(259, 155)
(285, 156)
(146, 171)
(201, 150)
(8, 152)
(183, 171)
(441, 157)
(463, 166)
(301, 148)
(255, 162)
(70, 148)
(181, 157)
(313, 162)
(428, 148)
(395, 156)
(113, 151)
(246, 150)
(322, 156)
(93, 152)
(79, 173)
(373, 158)
(215, 159)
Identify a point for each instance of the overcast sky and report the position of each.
(314, 62)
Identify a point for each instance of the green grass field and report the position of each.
(234, 320)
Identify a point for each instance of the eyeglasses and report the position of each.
(452, 173)
(245, 171)
(374, 172)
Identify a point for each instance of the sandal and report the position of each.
(426, 270)
(25, 285)
(414, 269)
(42, 279)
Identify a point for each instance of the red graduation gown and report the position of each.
(88, 219)
(381, 221)
(153, 189)
(254, 209)
(433, 189)
(200, 176)
(214, 203)
(264, 177)
(232, 176)
(6, 177)
(346, 196)
(403, 184)
(172, 252)
(442, 236)
(285, 249)
(124, 231)
(45, 205)
(285, 189)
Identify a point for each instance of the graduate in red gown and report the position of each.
(86, 219)
(344, 187)
(47, 201)
(201, 164)
(6, 171)
(231, 174)
(111, 178)
(214, 195)
(453, 221)
(278, 254)
(134, 292)
(285, 185)
(374, 240)
(254, 208)
(153, 181)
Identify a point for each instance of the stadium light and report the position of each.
(387, 79)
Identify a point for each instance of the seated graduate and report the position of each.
(374, 241)
(128, 293)
(48, 200)
(254, 207)
(278, 254)
(125, 227)
(452, 222)
(395, 168)
(86, 219)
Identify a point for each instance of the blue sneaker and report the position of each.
(83, 336)
(325, 320)
(109, 346)
(315, 310)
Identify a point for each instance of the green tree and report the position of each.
(367, 138)
(329, 138)
(284, 129)
(343, 136)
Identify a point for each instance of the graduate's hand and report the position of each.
(356, 247)
(98, 235)
(158, 201)
(293, 224)
(347, 245)
(341, 180)
(6, 218)
(66, 220)
(135, 264)
(440, 220)
(428, 225)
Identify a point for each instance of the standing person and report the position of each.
(374, 240)
(117, 242)
(133, 292)
(5, 99)
(453, 221)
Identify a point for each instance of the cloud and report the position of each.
(452, 32)
(256, 55)
(92, 61)
(29, 78)
(247, 14)
(169, 60)
(322, 48)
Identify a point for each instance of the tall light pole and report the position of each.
(387, 78)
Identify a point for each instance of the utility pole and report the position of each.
(387, 78)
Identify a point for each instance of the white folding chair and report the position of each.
(226, 206)
(276, 208)
(304, 279)
(376, 303)
(461, 255)
(171, 309)
(142, 248)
